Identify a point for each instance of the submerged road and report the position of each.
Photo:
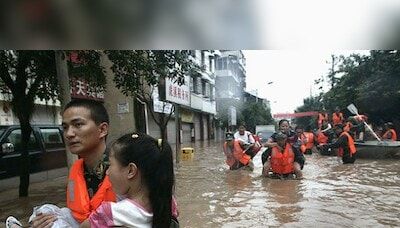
(366, 194)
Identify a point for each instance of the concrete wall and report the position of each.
(120, 123)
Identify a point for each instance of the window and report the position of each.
(197, 85)
(51, 138)
(203, 85)
(210, 65)
(222, 64)
(218, 64)
(212, 93)
(192, 85)
(206, 89)
(202, 58)
(15, 138)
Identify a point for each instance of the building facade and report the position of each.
(230, 84)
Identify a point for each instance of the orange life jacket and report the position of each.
(322, 138)
(282, 163)
(310, 140)
(77, 194)
(350, 142)
(307, 141)
(337, 118)
(237, 154)
(394, 135)
(303, 147)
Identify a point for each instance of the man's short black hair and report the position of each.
(229, 136)
(280, 136)
(98, 112)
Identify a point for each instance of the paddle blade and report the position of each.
(352, 109)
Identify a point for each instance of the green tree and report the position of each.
(371, 82)
(253, 114)
(28, 75)
(309, 104)
(138, 72)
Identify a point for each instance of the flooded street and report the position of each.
(366, 194)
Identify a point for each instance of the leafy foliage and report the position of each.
(371, 82)
(252, 114)
(137, 71)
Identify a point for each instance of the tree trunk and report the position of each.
(163, 127)
(26, 131)
(65, 95)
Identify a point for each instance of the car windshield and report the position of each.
(265, 134)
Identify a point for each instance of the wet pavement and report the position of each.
(366, 194)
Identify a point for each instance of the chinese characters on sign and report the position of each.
(160, 106)
(179, 94)
(81, 89)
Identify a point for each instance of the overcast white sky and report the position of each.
(292, 73)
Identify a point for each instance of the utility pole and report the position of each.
(178, 133)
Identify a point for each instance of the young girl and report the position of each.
(141, 171)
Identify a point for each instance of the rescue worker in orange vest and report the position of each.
(337, 117)
(307, 138)
(345, 144)
(322, 116)
(235, 152)
(85, 124)
(390, 133)
(284, 159)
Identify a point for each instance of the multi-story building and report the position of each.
(230, 83)
(195, 98)
(202, 104)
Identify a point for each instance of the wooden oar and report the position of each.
(352, 108)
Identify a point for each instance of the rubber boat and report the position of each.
(378, 150)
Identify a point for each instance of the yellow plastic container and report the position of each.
(187, 153)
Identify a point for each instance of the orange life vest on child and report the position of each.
(337, 118)
(350, 142)
(394, 135)
(77, 194)
(303, 139)
(282, 163)
(307, 139)
(310, 140)
(236, 155)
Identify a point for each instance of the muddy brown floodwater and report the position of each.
(366, 194)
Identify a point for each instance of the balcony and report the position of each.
(201, 104)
